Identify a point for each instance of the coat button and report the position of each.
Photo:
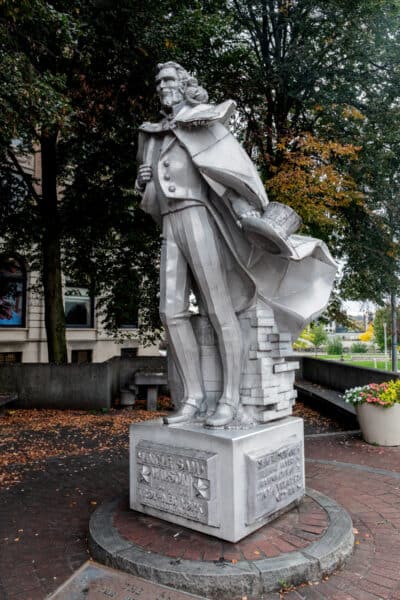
(171, 188)
(166, 163)
(167, 177)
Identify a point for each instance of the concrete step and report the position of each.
(316, 391)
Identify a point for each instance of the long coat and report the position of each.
(296, 288)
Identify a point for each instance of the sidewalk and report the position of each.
(44, 516)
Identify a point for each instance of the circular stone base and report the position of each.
(304, 544)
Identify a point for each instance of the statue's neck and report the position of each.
(171, 111)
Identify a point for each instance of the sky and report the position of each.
(353, 308)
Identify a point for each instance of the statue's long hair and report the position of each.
(192, 91)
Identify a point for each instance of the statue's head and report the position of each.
(175, 85)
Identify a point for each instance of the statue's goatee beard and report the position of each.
(170, 98)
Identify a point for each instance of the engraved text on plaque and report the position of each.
(275, 479)
(180, 481)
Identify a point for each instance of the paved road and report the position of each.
(44, 518)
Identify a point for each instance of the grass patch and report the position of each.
(360, 361)
(369, 364)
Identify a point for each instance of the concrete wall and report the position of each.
(96, 385)
(84, 386)
(340, 376)
(58, 386)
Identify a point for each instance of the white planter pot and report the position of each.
(379, 425)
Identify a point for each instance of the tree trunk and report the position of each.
(51, 253)
(394, 331)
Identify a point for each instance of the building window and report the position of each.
(128, 320)
(10, 357)
(12, 292)
(123, 310)
(81, 356)
(78, 306)
(129, 352)
(126, 311)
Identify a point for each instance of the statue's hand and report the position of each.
(242, 208)
(252, 212)
(145, 174)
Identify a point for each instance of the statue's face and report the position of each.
(168, 86)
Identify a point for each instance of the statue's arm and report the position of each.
(144, 182)
(144, 155)
(145, 174)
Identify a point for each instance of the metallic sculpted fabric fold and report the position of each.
(224, 241)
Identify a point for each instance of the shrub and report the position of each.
(335, 346)
(358, 347)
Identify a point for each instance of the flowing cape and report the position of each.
(296, 288)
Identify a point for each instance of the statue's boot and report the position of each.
(187, 412)
(223, 415)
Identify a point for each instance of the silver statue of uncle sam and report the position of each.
(222, 239)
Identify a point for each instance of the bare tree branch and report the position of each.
(27, 180)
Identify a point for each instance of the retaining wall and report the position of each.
(340, 376)
(96, 385)
(80, 386)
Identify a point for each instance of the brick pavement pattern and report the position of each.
(44, 522)
(290, 532)
(44, 519)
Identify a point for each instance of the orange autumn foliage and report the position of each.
(312, 177)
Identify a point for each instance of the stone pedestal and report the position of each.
(225, 483)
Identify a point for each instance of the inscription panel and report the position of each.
(180, 481)
(274, 480)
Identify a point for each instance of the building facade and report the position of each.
(22, 323)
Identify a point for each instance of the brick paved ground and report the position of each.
(44, 518)
(292, 531)
(44, 522)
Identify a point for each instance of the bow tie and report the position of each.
(167, 125)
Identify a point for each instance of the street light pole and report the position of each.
(394, 331)
(385, 339)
